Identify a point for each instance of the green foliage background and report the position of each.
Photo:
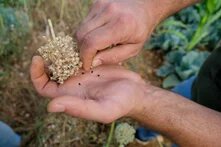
(15, 26)
(186, 38)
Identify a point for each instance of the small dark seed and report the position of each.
(98, 75)
(79, 83)
(82, 73)
(92, 71)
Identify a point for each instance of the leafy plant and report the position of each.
(196, 25)
(14, 27)
(13, 3)
(193, 28)
(124, 134)
(210, 12)
(180, 65)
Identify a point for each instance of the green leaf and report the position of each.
(218, 4)
(171, 81)
(175, 56)
(172, 22)
(211, 6)
(165, 70)
(3, 74)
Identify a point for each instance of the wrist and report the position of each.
(146, 100)
(161, 9)
(153, 107)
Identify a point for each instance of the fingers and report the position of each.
(96, 40)
(40, 79)
(79, 107)
(116, 54)
(98, 6)
(95, 19)
(95, 23)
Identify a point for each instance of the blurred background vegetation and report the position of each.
(175, 52)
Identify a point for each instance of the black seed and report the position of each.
(79, 83)
(92, 71)
(82, 73)
(98, 75)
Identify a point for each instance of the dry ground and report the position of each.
(23, 109)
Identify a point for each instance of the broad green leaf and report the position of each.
(172, 22)
(175, 57)
(211, 5)
(171, 81)
(165, 70)
(218, 4)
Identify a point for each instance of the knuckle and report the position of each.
(135, 52)
(139, 78)
(41, 91)
(79, 35)
(124, 19)
(112, 7)
(89, 42)
(99, 3)
(114, 59)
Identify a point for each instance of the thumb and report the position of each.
(77, 107)
(116, 55)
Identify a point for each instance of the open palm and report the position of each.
(103, 94)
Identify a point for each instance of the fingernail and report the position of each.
(96, 62)
(35, 59)
(56, 108)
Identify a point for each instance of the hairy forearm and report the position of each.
(185, 122)
(165, 8)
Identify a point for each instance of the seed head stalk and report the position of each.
(62, 9)
(110, 136)
(51, 29)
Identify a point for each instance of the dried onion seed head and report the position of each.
(62, 55)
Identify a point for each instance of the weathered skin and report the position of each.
(125, 23)
(111, 92)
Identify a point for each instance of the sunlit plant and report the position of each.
(210, 12)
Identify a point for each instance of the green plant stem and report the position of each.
(202, 30)
(110, 136)
(214, 18)
(197, 37)
(25, 5)
(2, 26)
(38, 4)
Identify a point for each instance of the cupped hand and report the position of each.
(103, 94)
(123, 25)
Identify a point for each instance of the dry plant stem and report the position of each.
(38, 4)
(159, 143)
(51, 29)
(110, 136)
(62, 9)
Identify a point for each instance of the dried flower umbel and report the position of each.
(62, 57)
(124, 134)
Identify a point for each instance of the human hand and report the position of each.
(103, 94)
(123, 24)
